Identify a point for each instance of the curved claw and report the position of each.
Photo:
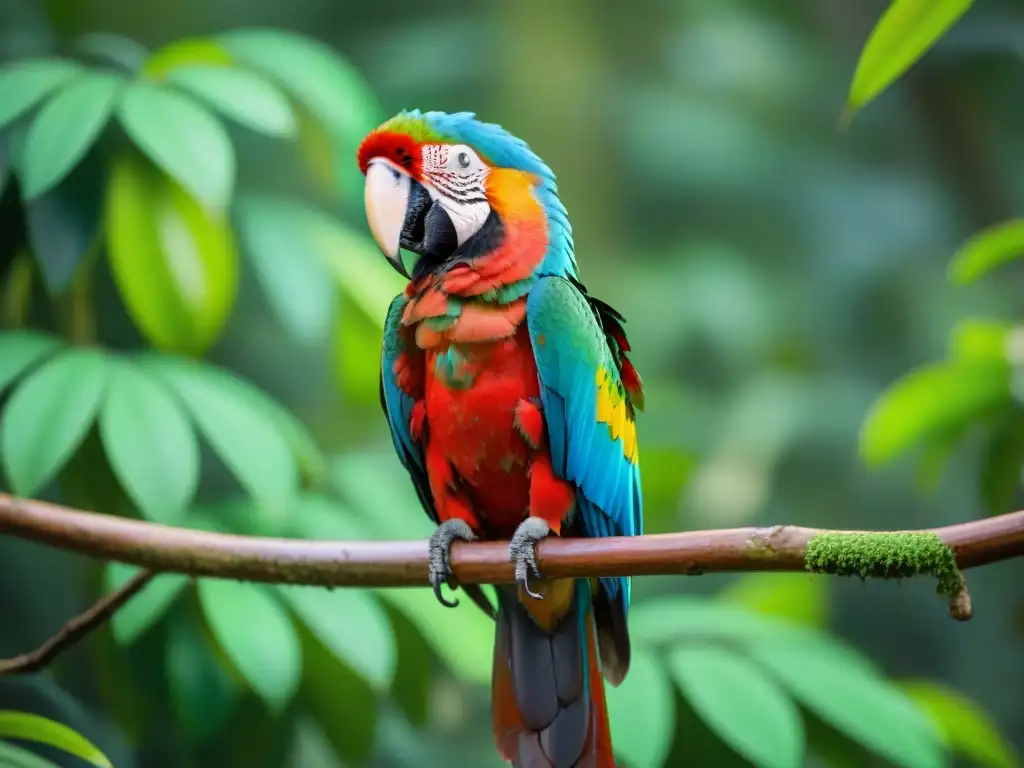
(523, 550)
(440, 559)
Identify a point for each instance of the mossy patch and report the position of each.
(886, 555)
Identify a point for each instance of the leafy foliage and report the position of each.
(24, 726)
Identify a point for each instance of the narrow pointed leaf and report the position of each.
(283, 243)
(147, 607)
(907, 29)
(174, 262)
(988, 249)
(16, 757)
(149, 442)
(48, 416)
(929, 401)
(65, 129)
(25, 83)
(245, 97)
(255, 632)
(29, 727)
(865, 707)
(19, 351)
(245, 438)
(746, 709)
(183, 139)
(642, 712)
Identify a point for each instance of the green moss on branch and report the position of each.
(886, 555)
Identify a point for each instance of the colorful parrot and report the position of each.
(511, 402)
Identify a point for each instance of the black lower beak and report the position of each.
(427, 230)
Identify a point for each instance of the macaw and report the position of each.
(511, 402)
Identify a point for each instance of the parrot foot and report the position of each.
(523, 550)
(440, 559)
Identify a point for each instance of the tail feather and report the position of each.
(548, 704)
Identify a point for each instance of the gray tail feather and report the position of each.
(545, 674)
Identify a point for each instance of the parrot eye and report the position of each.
(462, 159)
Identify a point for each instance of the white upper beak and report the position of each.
(386, 196)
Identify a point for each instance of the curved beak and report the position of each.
(386, 196)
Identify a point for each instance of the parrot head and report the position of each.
(454, 190)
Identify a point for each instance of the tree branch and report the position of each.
(941, 552)
(76, 629)
(404, 563)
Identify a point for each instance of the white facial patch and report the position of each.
(456, 175)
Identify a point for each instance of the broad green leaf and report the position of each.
(19, 351)
(642, 712)
(149, 442)
(316, 75)
(864, 706)
(988, 249)
(243, 436)
(183, 139)
(1002, 463)
(48, 415)
(966, 727)
(366, 279)
(288, 253)
(929, 401)
(242, 96)
(255, 632)
(907, 29)
(202, 691)
(798, 597)
(174, 262)
(147, 607)
(979, 340)
(352, 624)
(16, 757)
(24, 83)
(185, 52)
(356, 363)
(746, 709)
(29, 727)
(65, 129)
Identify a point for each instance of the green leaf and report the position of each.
(798, 597)
(16, 757)
(65, 129)
(356, 354)
(247, 441)
(242, 96)
(979, 340)
(907, 29)
(183, 139)
(25, 83)
(352, 625)
(988, 249)
(48, 416)
(366, 279)
(121, 51)
(19, 351)
(147, 607)
(29, 727)
(150, 444)
(743, 707)
(928, 401)
(1002, 463)
(283, 242)
(966, 727)
(642, 712)
(203, 693)
(315, 74)
(864, 706)
(174, 262)
(256, 634)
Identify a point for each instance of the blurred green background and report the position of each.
(777, 274)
